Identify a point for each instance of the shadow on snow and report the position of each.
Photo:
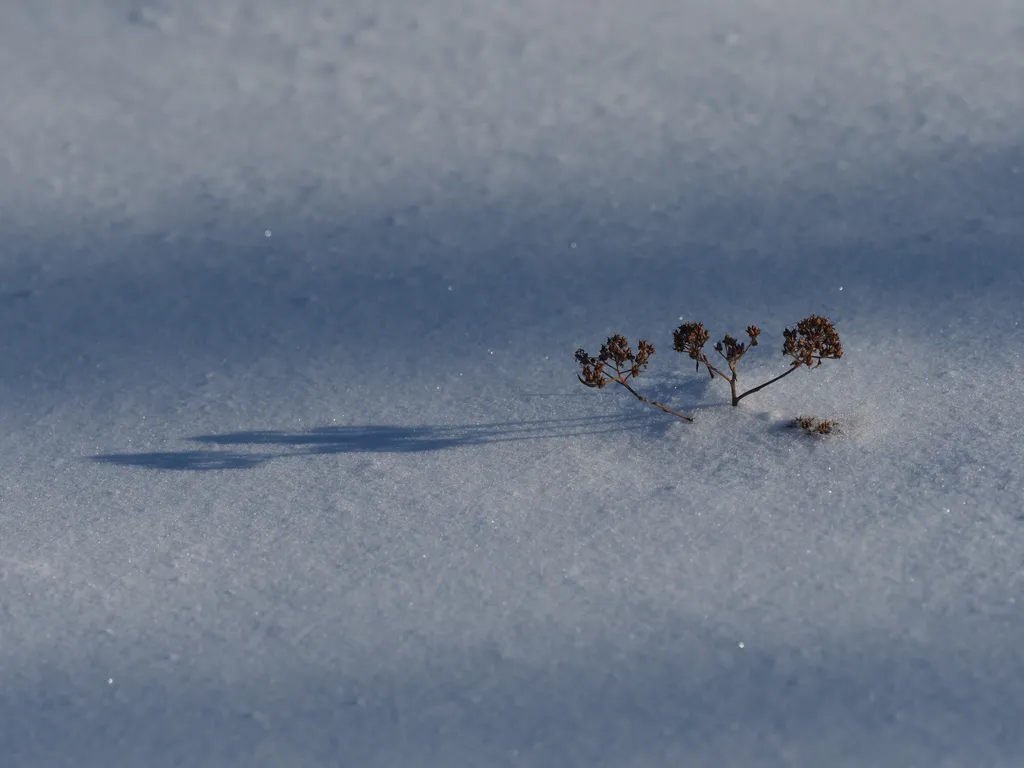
(369, 438)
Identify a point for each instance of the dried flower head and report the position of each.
(593, 370)
(731, 349)
(812, 425)
(814, 338)
(617, 352)
(689, 339)
(644, 351)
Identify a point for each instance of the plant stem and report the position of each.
(656, 404)
(736, 400)
(711, 368)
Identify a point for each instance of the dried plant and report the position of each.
(814, 339)
(616, 363)
(812, 425)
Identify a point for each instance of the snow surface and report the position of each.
(297, 470)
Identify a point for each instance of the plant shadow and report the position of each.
(682, 385)
(366, 438)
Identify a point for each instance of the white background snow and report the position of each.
(296, 467)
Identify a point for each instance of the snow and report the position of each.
(298, 471)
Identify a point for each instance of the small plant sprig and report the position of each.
(616, 363)
(812, 425)
(814, 339)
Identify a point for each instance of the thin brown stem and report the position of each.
(704, 359)
(655, 403)
(666, 409)
(762, 386)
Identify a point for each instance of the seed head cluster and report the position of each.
(812, 425)
(814, 338)
(615, 351)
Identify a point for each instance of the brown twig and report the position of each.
(616, 353)
(813, 339)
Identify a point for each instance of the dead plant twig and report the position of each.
(616, 363)
(814, 339)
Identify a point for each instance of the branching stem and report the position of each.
(734, 379)
(621, 380)
(813, 340)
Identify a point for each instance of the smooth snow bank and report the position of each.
(298, 472)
